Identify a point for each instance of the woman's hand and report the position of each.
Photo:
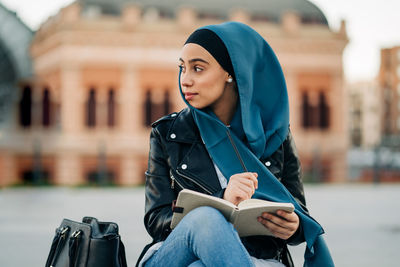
(241, 186)
(282, 226)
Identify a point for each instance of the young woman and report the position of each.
(233, 141)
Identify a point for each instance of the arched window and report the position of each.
(306, 120)
(315, 115)
(147, 109)
(91, 109)
(111, 108)
(167, 104)
(323, 111)
(46, 108)
(155, 106)
(25, 107)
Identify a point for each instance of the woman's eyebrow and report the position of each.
(194, 60)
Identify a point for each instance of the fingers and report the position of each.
(288, 216)
(246, 177)
(237, 192)
(246, 185)
(245, 181)
(276, 230)
(241, 186)
(282, 226)
(246, 189)
(241, 193)
(252, 176)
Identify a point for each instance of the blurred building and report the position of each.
(375, 123)
(15, 62)
(15, 68)
(389, 81)
(365, 114)
(364, 124)
(104, 70)
(387, 152)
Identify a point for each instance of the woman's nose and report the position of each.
(186, 80)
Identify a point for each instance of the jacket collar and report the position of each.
(183, 129)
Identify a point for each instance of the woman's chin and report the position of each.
(195, 104)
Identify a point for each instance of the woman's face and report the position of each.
(203, 80)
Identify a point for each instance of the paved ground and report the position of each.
(362, 222)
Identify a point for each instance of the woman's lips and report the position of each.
(189, 96)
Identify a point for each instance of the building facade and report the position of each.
(375, 123)
(15, 67)
(104, 71)
(15, 61)
(389, 82)
(364, 114)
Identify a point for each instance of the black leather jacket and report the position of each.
(178, 159)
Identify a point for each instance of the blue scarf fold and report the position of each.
(258, 128)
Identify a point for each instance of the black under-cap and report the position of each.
(210, 41)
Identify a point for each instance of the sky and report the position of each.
(371, 25)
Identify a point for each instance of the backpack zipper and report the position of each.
(63, 236)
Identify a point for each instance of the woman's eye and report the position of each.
(197, 69)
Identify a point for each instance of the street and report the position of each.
(362, 222)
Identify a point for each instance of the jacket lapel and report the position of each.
(196, 164)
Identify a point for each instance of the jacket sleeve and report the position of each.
(158, 192)
(292, 181)
(291, 172)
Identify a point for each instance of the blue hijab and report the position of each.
(259, 126)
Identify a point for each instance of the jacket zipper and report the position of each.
(236, 151)
(173, 181)
(190, 179)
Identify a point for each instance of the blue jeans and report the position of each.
(202, 238)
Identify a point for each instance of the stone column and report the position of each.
(186, 17)
(72, 117)
(291, 22)
(340, 128)
(294, 99)
(131, 14)
(72, 99)
(130, 101)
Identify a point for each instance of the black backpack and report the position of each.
(87, 244)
